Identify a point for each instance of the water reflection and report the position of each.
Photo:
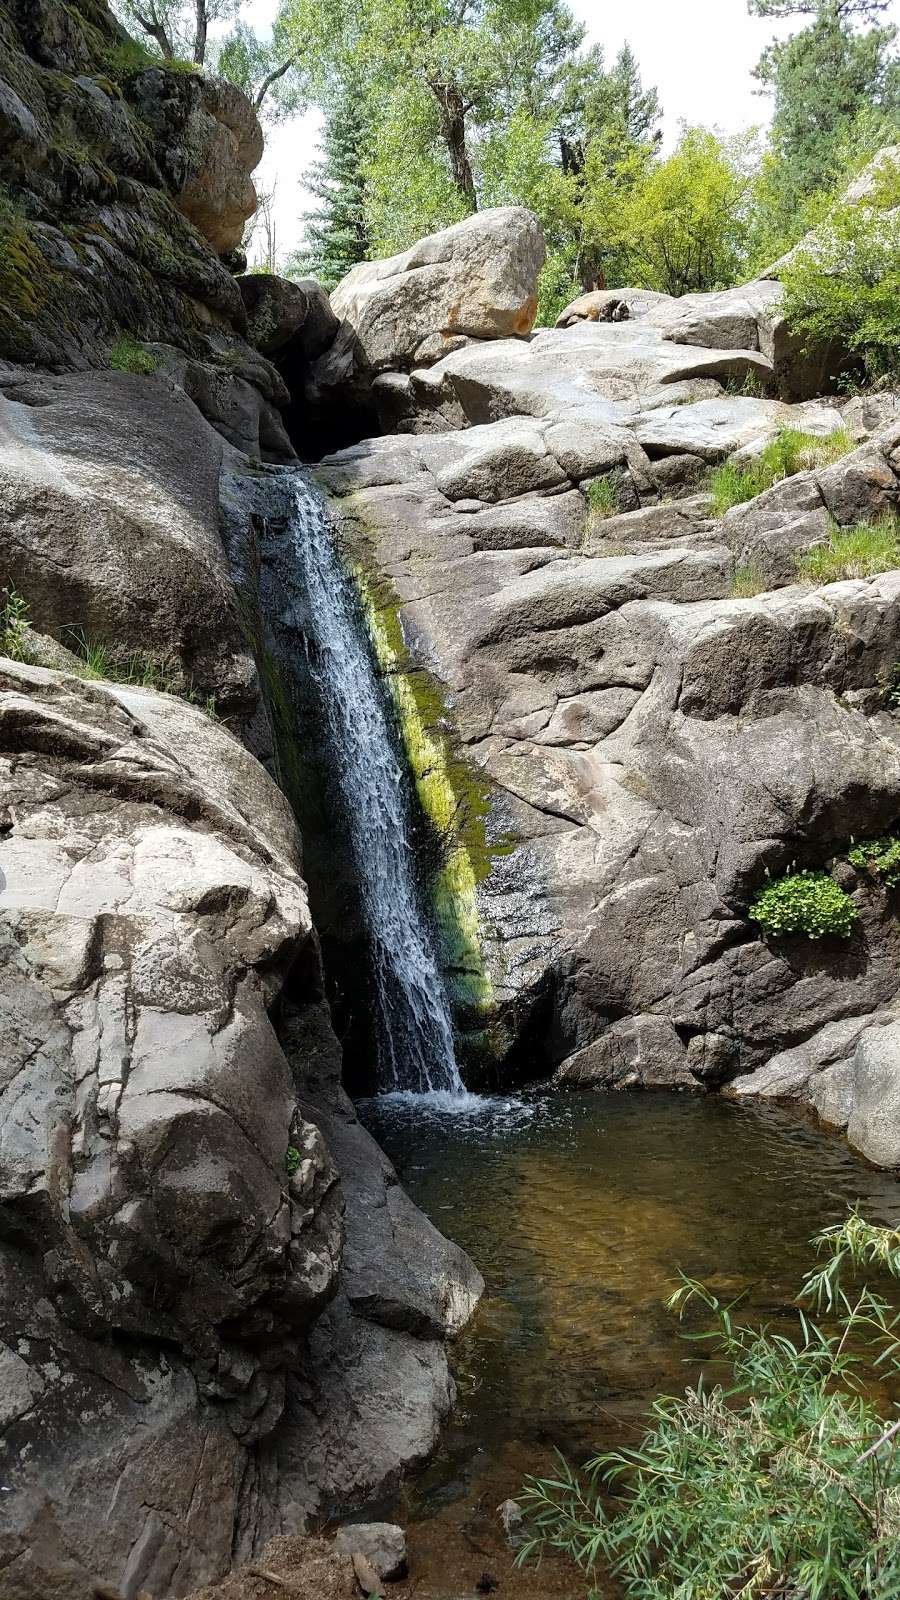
(579, 1211)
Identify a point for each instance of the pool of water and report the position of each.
(580, 1210)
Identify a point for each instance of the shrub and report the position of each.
(808, 903)
(859, 551)
(788, 453)
(844, 285)
(603, 498)
(880, 858)
(14, 614)
(784, 1483)
(747, 581)
(292, 1159)
(126, 355)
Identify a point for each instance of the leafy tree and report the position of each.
(264, 68)
(843, 285)
(176, 28)
(868, 10)
(678, 225)
(337, 234)
(449, 71)
(179, 30)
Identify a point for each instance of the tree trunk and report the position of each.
(200, 32)
(452, 112)
(156, 30)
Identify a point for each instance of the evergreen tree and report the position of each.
(337, 233)
(821, 79)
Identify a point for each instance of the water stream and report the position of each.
(413, 1026)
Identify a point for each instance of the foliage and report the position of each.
(748, 581)
(677, 225)
(336, 234)
(844, 284)
(265, 68)
(603, 498)
(820, 79)
(807, 903)
(14, 622)
(557, 287)
(790, 451)
(126, 355)
(175, 33)
(473, 103)
(292, 1159)
(785, 1483)
(880, 858)
(858, 551)
(732, 484)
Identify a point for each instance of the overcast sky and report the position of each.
(699, 54)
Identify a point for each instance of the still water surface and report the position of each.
(580, 1210)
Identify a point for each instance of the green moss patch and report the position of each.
(455, 798)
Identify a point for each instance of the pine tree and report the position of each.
(336, 231)
(822, 79)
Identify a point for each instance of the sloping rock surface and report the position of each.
(653, 744)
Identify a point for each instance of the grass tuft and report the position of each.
(790, 452)
(783, 1479)
(747, 582)
(14, 616)
(860, 551)
(126, 355)
(602, 498)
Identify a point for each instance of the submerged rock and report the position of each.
(383, 1545)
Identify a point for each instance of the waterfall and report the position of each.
(413, 1029)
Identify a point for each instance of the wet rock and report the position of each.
(382, 1544)
(874, 1123)
(512, 1519)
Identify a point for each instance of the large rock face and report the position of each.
(476, 280)
(651, 744)
(123, 183)
(162, 1262)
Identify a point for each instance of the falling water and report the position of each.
(413, 1028)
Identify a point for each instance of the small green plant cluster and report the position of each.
(807, 903)
(788, 453)
(880, 858)
(14, 615)
(126, 355)
(859, 551)
(747, 582)
(784, 1484)
(603, 497)
(292, 1159)
(100, 663)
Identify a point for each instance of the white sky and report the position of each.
(699, 54)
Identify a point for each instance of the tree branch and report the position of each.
(156, 30)
(272, 77)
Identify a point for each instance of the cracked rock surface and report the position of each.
(654, 746)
